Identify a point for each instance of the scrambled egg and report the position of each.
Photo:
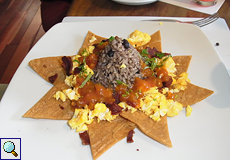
(126, 106)
(71, 80)
(138, 38)
(156, 105)
(82, 117)
(71, 94)
(80, 120)
(89, 50)
(93, 38)
(75, 61)
(102, 112)
(60, 95)
(181, 82)
(188, 110)
(170, 66)
(88, 70)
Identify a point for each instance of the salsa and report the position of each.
(92, 93)
(133, 95)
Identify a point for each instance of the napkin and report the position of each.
(193, 6)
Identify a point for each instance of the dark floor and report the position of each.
(20, 29)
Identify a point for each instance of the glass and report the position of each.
(205, 2)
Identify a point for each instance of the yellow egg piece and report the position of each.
(156, 116)
(188, 111)
(70, 80)
(92, 39)
(88, 70)
(138, 38)
(126, 106)
(99, 108)
(170, 65)
(109, 117)
(71, 94)
(174, 108)
(80, 120)
(181, 82)
(60, 95)
(82, 128)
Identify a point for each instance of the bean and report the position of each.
(110, 53)
(125, 43)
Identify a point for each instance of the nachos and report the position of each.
(117, 84)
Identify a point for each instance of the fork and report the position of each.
(200, 23)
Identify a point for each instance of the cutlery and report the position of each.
(200, 23)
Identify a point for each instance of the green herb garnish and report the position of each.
(83, 52)
(83, 68)
(126, 94)
(84, 60)
(120, 82)
(77, 61)
(167, 57)
(144, 53)
(86, 80)
(160, 55)
(99, 44)
(111, 38)
(137, 95)
(151, 62)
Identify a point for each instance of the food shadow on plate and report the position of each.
(221, 80)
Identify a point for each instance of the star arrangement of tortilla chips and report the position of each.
(105, 127)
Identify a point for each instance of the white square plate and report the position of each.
(204, 135)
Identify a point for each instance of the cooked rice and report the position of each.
(123, 66)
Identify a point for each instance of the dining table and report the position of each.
(202, 135)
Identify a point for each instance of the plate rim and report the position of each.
(127, 34)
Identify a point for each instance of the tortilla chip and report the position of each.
(155, 130)
(50, 108)
(52, 66)
(48, 67)
(87, 42)
(182, 63)
(192, 94)
(103, 135)
(155, 41)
